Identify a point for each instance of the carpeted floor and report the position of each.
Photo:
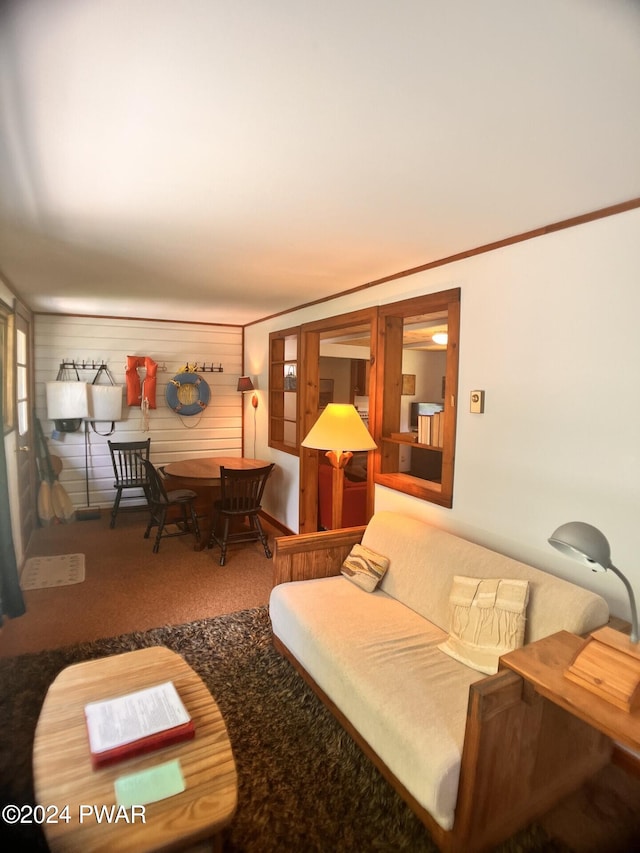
(129, 588)
(304, 784)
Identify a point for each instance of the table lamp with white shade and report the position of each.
(339, 430)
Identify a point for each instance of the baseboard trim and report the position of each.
(277, 524)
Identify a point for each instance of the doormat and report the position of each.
(43, 572)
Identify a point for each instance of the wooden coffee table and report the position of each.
(63, 775)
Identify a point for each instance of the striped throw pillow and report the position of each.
(364, 567)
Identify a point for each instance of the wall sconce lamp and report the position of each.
(608, 663)
(245, 385)
(339, 430)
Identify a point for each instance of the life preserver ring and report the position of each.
(200, 386)
(136, 388)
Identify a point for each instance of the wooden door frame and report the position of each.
(27, 485)
(308, 390)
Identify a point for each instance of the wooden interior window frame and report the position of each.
(385, 381)
(389, 385)
(277, 392)
(309, 401)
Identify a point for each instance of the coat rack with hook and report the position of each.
(212, 368)
(75, 366)
(83, 365)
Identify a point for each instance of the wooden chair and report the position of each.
(126, 457)
(160, 504)
(241, 497)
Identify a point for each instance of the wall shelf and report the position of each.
(408, 443)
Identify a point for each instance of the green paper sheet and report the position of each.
(149, 786)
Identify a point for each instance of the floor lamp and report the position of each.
(339, 430)
(245, 385)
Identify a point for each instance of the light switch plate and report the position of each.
(477, 402)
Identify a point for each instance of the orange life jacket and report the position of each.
(135, 387)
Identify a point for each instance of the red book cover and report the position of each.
(146, 744)
(135, 723)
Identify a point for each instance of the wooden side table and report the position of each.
(542, 665)
(532, 737)
(63, 774)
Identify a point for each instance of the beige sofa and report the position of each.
(374, 657)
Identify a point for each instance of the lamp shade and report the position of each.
(584, 543)
(589, 546)
(245, 384)
(339, 428)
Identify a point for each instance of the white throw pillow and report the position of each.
(364, 567)
(486, 620)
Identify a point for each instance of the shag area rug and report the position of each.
(304, 785)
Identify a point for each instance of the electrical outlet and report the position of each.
(477, 402)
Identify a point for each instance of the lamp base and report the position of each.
(338, 462)
(608, 664)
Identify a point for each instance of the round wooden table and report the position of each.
(203, 477)
(206, 472)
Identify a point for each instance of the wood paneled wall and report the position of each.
(215, 432)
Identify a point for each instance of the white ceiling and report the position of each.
(223, 160)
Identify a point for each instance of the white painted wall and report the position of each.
(549, 328)
(216, 432)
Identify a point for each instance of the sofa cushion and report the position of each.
(486, 620)
(379, 663)
(424, 559)
(364, 567)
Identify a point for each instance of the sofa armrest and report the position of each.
(313, 555)
(521, 755)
